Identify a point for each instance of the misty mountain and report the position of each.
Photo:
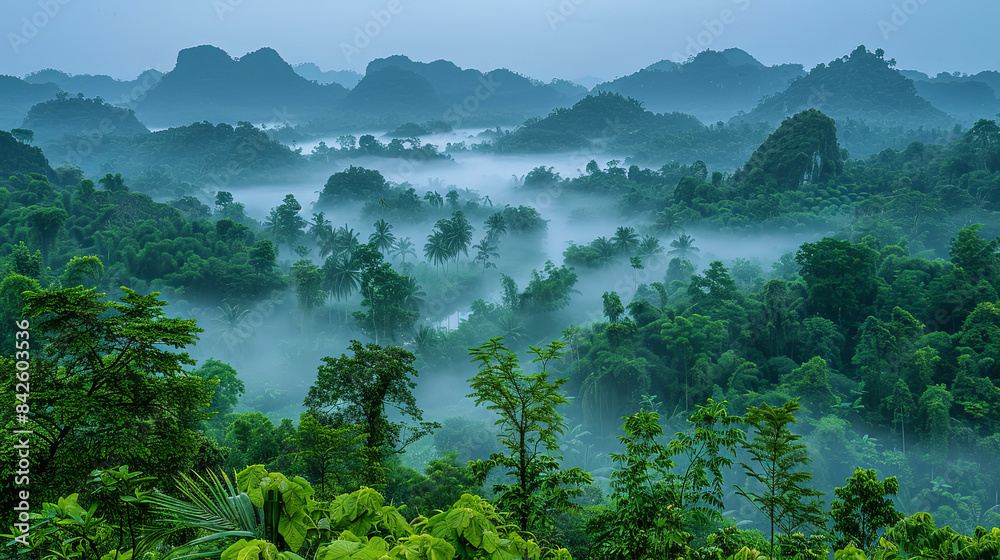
(968, 97)
(967, 100)
(988, 77)
(862, 86)
(571, 90)
(497, 90)
(116, 92)
(79, 116)
(208, 84)
(200, 153)
(18, 96)
(396, 91)
(310, 71)
(604, 115)
(713, 86)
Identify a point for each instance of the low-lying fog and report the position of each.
(279, 363)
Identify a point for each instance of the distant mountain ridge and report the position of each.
(18, 96)
(967, 97)
(108, 88)
(208, 84)
(473, 90)
(713, 86)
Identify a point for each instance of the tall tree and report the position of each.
(486, 249)
(284, 222)
(774, 450)
(841, 277)
(359, 389)
(46, 222)
(403, 247)
(385, 294)
(529, 425)
(683, 247)
(263, 257)
(625, 240)
(382, 237)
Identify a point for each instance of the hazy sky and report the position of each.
(540, 38)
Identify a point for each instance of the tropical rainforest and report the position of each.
(550, 322)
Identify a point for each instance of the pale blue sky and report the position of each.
(540, 38)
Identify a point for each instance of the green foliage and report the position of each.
(918, 537)
(861, 509)
(655, 510)
(227, 387)
(388, 295)
(353, 183)
(359, 389)
(840, 277)
(645, 520)
(529, 425)
(811, 383)
(105, 373)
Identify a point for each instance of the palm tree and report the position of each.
(512, 327)
(412, 295)
(403, 247)
(683, 247)
(436, 249)
(496, 225)
(235, 329)
(341, 275)
(424, 337)
(485, 250)
(604, 249)
(668, 222)
(320, 228)
(219, 509)
(343, 239)
(625, 240)
(434, 198)
(383, 237)
(649, 247)
(459, 234)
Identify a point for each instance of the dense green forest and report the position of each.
(220, 344)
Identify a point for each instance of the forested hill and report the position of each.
(712, 86)
(803, 149)
(602, 117)
(862, 85)
(64, 115)
(18, 156)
